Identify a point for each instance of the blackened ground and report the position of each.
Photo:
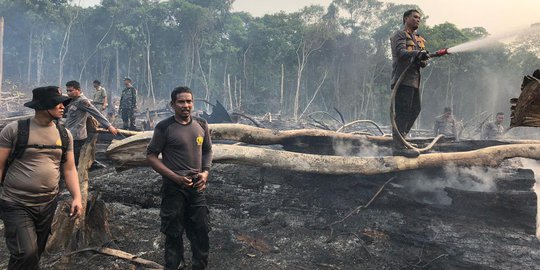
(268, 219)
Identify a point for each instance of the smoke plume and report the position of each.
(430, 189)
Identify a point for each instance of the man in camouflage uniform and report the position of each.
(128, 104)
(494, 130)
(100, 97)
(445, 124)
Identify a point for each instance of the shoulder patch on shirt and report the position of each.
(86, 103)
(200, 140)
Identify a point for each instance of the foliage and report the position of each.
(237, 58)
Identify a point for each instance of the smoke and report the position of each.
(534, 165)
(430, 189)
(528, 133)
(492, 40)
(366, 149)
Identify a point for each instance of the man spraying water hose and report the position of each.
(408, 56)
(407, 46)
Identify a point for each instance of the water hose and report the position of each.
(397, 132)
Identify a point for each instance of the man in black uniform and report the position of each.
(407, 46)
(184, 142)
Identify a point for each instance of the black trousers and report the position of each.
(27, 229)
(184, 209)
(128, 117)
(407, 106)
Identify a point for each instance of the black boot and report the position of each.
(399, 149)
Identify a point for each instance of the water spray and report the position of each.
(487, 41)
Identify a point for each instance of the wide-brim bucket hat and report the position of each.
(47, 97)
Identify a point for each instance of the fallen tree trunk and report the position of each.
(131, 152)
(122, 132)
(315, 141)
(264, 136)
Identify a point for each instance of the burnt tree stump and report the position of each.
(91, 228)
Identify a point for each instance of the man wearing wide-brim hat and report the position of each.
(28, 198)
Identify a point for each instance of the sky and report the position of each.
(497, 16)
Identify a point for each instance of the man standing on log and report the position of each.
(32, 153)
(407, 46)
(184, 143)
(77, 114)
(128, 105)
(494, 130)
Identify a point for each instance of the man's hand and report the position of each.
(182, 180)
(201, 184)
(113, 130)
(423, 55)
(76, 208)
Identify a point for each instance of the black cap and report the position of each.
(47, 97)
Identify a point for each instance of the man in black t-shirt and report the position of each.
(186, 149)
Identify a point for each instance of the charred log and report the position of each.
(316, 141)
(522, 180)
(526, 108)
(513, 207)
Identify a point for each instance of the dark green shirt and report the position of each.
(128, 100)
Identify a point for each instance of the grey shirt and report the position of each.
(77, 111)
(32, 179)
(492, 130)
(445, 126)
(185, 149)
(404, 49)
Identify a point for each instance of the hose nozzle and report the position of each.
(440, 52)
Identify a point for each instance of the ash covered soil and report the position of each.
(268, 219)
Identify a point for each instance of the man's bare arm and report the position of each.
(72, 183)
(4, 154)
